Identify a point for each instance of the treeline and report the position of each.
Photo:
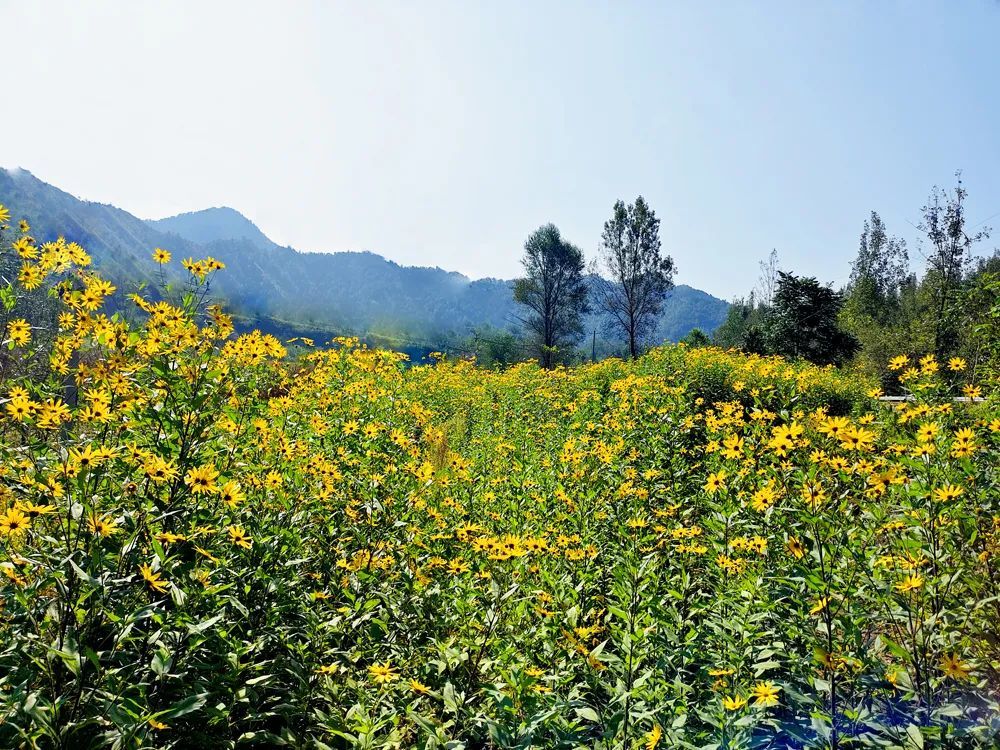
(886, 310)
(625, 288)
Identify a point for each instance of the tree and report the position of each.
(696, 339)
(634, 276)
(879, 297)
(768, 282)
(743, 313)
(553, 290)
(803, 322)
(949, 255)
(494, 347)
(879, 273)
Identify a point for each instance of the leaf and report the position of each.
(186, 706)
(915, 736)
(204, 625)
(160, 663)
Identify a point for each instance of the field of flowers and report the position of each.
(210, 541)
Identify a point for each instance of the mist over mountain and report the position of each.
(211, 224)
(285, 290)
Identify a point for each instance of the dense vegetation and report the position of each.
(885, 309)
(210, 541)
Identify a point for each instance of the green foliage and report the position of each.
(950, 248)
(553, 291)
(696, 339)
(205, 543)
(804, 322)
(743, 326)
(637, 275)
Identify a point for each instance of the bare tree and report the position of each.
(767, 285)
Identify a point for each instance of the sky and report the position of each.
(443, 133)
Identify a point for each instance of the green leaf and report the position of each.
(915, 736)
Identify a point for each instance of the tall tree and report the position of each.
(553, 290)
(948, 257)
(634, 276)
(768, 282)
(879, 302)
(803, 322)
(879, 273)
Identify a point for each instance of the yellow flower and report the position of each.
(102, 526)
(383, 673)
(765, 694)
(202, 479)
(153, 578)
(795, 548)
(13, 522)
(418, 687)
(910, 583)
(168, 537)
(19, 409)
(159, 470)
(948, 492)
(953, 666)
(239, 537)
(857, 439)
(819, 606)
(19, 332)
(24, 247)
(715, 482)
(85, 458)
(734, 702)
(653, 738)
(161, 256)
(328, 669)
(231, 494)
(34, 511)
(957, 364)
(972, 391)
(898, 363)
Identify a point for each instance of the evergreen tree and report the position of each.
(803, 322)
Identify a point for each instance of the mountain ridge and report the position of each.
(357, 292)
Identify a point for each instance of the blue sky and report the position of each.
(443, 133)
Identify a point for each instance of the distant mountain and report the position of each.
(212, 224)
(281, 288)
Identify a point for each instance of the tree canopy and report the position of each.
(636, 275)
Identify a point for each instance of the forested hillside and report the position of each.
(345, 292)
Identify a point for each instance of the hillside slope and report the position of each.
(349, 292)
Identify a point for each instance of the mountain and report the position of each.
(286, 290)
(213, 224)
